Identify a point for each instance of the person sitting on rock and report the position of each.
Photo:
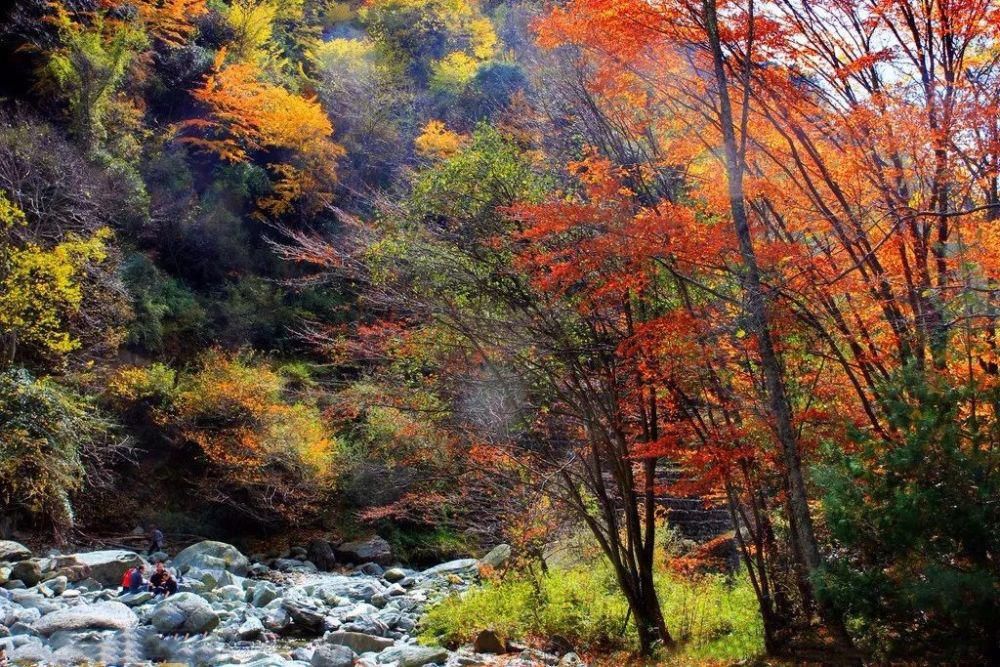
(133, 581)
(162, 582)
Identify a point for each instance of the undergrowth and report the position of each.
(713, 617)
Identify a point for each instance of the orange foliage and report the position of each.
(250, 118)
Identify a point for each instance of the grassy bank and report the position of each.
(713, 617)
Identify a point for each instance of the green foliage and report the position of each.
(918, 524)
(47, 433)
(712, 617)
(89, 68)
(472, 187)
(167, 315)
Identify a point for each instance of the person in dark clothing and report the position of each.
(162, 582)
(133, 581)
(155, 541)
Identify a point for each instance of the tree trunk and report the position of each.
(756, 310)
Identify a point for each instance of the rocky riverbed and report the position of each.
(234, 610)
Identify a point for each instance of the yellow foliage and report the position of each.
(437, 141)
(483, 39)
(453, 71)
(10, 214)
(252, 22)
(236, 412)
(134, 383)
(40, 290)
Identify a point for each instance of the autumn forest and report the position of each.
(692, 305)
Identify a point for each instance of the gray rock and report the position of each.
(357, 641)
(211, 555)
(412, 655)
(13, 551)
(394, 574)
(107, 567)
(29, 572)
(497, 557)
(453, 567)
(306, 614)
(332, 655)
(31, 653)
(571, 660)
(184, 613)
(263, 593)
(251, 628)
(370, 569)
(374, 549)
(135, 599)
(98, 616)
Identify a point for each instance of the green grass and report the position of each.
(712, 617)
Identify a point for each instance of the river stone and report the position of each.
(263, 593)
(331, 655)
(32, 653)
(374, 549)
(212, 555)
(135, 599)
(251, 628)
(499, 555)
(108, 566)
(13, 551)
(358, 641)
(394, 574)
(453, 566)
(29, 572)
(488, 641)
(413, 655)
(97, 616)
(184, 613)
(320, 553)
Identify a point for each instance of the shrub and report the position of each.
(275, 458)
(712, 616)
(917, 526)
(50, 438)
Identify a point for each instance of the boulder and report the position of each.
(358, 641)
(412, 655)
(263, 594)
(251, 628)
(107, 566)
(97, 616)
(320, 553)
(13, 551)
(211, 555)
(497, 557)
(453, 567)
(394, 574)
(488, 641)
(29, 572)
(571, 660)
(31, 653)
(374, 549)
(135, 599)
(330, 655)
(185, 613)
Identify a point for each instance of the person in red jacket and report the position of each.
(133, 581)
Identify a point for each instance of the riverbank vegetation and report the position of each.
(467, 272)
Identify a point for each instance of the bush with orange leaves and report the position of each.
(268, 454)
